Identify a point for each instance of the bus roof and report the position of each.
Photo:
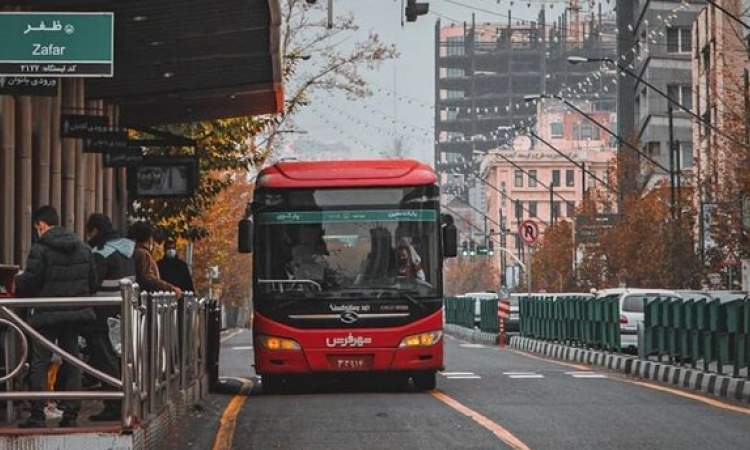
(348, 173)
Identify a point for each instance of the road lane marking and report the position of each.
(472, 345)
(228, 422)
(699, 398)
(519, 373)
(538, 358)
(464, 377)
(447, 374)
(529, 376)
(231, 334)
(243, 347)
(502, 433)
(657, 387)
(588, 375)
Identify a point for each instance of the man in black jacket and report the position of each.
(59, 265)
(174, 270)
(113, 256)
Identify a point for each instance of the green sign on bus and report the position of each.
(57, 44)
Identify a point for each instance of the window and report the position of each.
(555, 209)
(682, 94)
(532, 178)
(678, 39)
(587, 131)
(556, 178)
(519, 210)
(570, 178)
(576, 132)
(451, 94)
(686, 155)
(654, 149)
(455, 46)
(454, 72)
(556, 130)
(518, 179)
(598, 133)
(532, 209)
(570, 209)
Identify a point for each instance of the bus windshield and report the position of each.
(374, 242)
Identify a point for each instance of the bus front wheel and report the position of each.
(425, 381)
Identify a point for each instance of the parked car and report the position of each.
(632, 307)
(479, 297)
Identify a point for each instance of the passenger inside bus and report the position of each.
(409, 264)
(309, 260)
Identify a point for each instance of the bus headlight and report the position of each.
(422, 340)
(278, 343)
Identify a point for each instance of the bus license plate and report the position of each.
(350, 362)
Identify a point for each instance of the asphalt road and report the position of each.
(511, 398)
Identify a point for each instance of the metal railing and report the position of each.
(163, 350)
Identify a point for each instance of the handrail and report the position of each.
(162, 346)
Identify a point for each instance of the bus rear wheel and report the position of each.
(425, 381)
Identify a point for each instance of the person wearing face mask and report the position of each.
(174, 270)
(114, 260)
(59, 265)
(147, 273)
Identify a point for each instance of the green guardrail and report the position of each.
(574, 320)
(461, 311)
(693, 330)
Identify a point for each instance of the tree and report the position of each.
(219, 247)
(476, 274)
(552, 263)
(314, 59)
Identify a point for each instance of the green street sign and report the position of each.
(57, 44)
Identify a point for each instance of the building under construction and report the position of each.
(484, 71)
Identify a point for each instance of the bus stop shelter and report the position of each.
(174, 62)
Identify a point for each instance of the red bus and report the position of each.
(347, 270)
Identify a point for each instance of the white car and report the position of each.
(632, 306)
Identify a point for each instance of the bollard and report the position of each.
(214, 342)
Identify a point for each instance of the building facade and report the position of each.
(535, 182)
(720, 63)
(655, 43)
(484, 71)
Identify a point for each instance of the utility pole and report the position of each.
(678, 158)
(671, 165)
(583, 180)
(502, 244)
(552, 203)
(746, 93)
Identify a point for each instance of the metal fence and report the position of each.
(709, 333)
(163, 351)
(575, 320)
(462, 311)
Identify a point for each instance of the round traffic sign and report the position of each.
(529, 231)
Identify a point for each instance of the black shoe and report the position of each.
(33, 422)
(68, 422)
(108, 415)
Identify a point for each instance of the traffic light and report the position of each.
(415, 9)
(491, 247)
(465, 248)
(472, 248)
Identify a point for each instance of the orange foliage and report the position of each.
(220, 247)
(470, 274)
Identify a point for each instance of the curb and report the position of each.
(723, 386)
(472, 335)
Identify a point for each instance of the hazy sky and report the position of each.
(339, 122)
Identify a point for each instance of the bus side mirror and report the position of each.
(245, 236)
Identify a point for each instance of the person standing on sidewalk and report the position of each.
(114, 260)
(174, 270)
(146, 270)
(59, 265)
